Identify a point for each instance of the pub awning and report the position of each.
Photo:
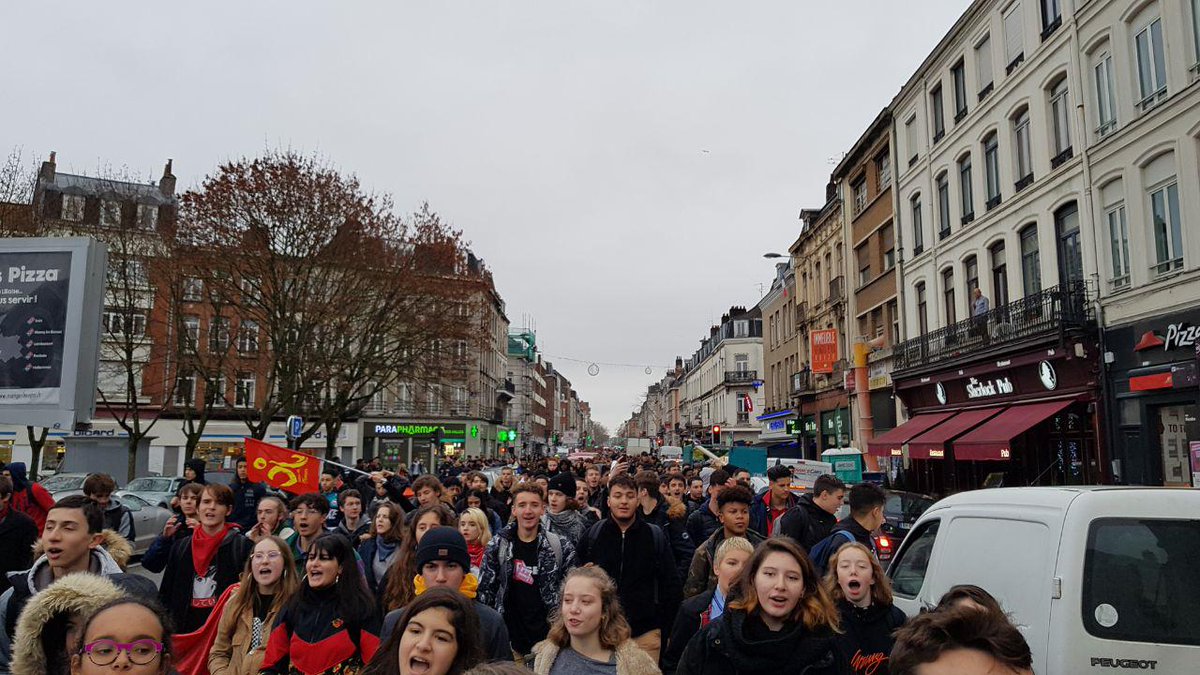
(891, 442)
(991, 440)
(932, 443)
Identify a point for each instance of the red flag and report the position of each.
(281, 468)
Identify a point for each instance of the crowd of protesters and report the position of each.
(609, 565)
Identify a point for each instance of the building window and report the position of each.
(971, 268)
(999, 274)
(922, 309)
(1168, 237)
(1106, 101)
(883, 169)
(991, 169)
(864, 265)
(193, 289)
(124, 273)
(73, 208)
(1060, 113)
(1196, 31)
(1031, 264)
(910, 141)
(889, 259)
(741, 328)
(218, 335)
(894, 316)
(191, 332)
(433, 398)
(110, 213)
(918, 227)
(938, 113)
(1118, 239)
(964, 188)
(1023, 152)
(943, 195)
(248, 337)
(243, 396)
(948, 295)
(959, 75)
(214, 390)
(1070, 251)
(1152, 65)
(1014, 37)
(1051, 17)
(130, 324)
(185, 390)
(147, 216)
(860, 195)
(983, 66)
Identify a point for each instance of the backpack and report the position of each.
(504, 549)
(660, 545)
(825, 548)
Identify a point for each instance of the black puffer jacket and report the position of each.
(806, 523)
(866, 639)
(671, 516)
(739, 644)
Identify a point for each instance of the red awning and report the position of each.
(990, 441)
(891, 442)
(932, 443)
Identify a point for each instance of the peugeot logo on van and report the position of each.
(1136, 664)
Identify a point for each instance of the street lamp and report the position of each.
(772, 254)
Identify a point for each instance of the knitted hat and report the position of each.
(443, 543)
(563, 482)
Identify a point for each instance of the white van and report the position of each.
(1096, 578)
(670, 452)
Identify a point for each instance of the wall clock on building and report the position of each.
(1047, 375)
(941, 393)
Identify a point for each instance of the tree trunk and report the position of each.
(36, 443)
(332, 427)
(131, 467)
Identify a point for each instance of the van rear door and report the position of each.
(1131, 590)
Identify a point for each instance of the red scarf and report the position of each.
(476, 552)
(204, 548)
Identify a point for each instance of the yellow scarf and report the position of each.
(470, 586)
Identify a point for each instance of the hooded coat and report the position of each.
(73, 595)
(671, 515)
(197, 465)
(19, 533)
(631, 659)
(806, 523)
(732, 645)
(107, 561)
(29, 498)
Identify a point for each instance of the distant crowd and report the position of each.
(612, 565)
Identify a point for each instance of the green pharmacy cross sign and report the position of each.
(506, 436)
(474, 431)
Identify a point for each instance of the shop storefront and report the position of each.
(1153, 380)
(836, 431)
(1027, 419)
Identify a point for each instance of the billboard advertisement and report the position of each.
(51, 297)
(823, 345)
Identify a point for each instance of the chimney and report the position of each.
(167, 184)
(46, 173)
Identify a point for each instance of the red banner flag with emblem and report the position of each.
(281, 468)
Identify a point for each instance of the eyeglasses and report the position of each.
(267, 555)
(105, 652)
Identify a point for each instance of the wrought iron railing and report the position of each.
(801, 381)
(740, 376)
(1046, 313)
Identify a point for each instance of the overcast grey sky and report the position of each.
(621, 166)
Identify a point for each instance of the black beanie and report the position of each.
(563, 482)
(443, 543)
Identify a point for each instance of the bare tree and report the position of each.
(349, 297)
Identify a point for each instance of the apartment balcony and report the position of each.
(506, 390)
(1042, 316)
(837, 290)
(740, 376)
(801, 313)
(802, 382)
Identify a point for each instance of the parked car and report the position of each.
(148, 521)
(64, 484)
(1094, 577)
(901, 512)
(158, 490)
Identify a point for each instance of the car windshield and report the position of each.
(149, 485)
(58, 483)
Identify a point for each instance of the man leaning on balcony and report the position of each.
(979, 311)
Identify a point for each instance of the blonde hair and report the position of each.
(478, 517)
(614, 629)
(729, 546)
(881, 590)
(815, 609)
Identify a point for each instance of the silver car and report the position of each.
(148, 520)
(158, 490)
(64, 484)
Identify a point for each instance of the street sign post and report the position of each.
(295, 427)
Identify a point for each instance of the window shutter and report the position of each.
(1014, 27)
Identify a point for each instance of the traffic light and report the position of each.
(716, 434)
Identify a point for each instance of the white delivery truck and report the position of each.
(636, 446)
(1095, 578)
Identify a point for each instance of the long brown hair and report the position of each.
(399, 590)
(881, 590)
(396, 516)
(614, 629)
(467, 636)
(248, 589)
(815, 608)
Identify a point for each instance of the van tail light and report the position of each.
(884, 542)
